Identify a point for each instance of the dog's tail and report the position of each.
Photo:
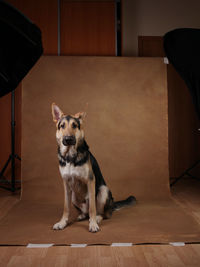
(124, 203)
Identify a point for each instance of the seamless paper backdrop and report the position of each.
(127, 130)
(126, 123)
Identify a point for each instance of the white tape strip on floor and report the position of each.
(121, 244)
(78, 245)
(30, 245)
(177, 244)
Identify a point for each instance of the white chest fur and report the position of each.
(70, 171)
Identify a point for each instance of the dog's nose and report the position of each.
(69, 140)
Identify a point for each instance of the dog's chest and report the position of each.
(70, 171)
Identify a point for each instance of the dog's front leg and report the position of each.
(66, 211)
(93, 226)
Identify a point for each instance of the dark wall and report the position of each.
(184, 136)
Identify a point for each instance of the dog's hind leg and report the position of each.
(104, 202)
(66, 211)
(102, 199)
(81, 207)
(81, 217)
(84, 211)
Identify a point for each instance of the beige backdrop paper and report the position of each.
(127, 130)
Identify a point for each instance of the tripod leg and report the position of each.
(186, 172)
(176, 180)
(17, 157)
(5, 166)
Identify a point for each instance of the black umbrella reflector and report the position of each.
(182, 48)
(20, 47)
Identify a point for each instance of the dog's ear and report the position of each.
(56, 112)
(81, 116)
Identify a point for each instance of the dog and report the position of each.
(84, 185)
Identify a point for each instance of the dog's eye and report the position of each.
(62, 125)
(74, 125)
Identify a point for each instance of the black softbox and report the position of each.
(20, 47)
(182, 48)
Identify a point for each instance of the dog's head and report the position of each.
(69, 131)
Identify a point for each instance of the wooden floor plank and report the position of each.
(163, 255)
(172, 258)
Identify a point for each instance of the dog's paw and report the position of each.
(99, 218)
(60, 225)
(81, 217)
(93, 227)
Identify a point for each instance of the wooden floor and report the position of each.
(186, 193)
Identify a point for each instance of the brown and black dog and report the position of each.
(83, 182)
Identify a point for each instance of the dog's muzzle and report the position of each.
(69, 140)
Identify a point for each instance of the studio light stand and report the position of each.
(20, 49)
(11, 185)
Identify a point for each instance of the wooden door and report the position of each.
(88, 28)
